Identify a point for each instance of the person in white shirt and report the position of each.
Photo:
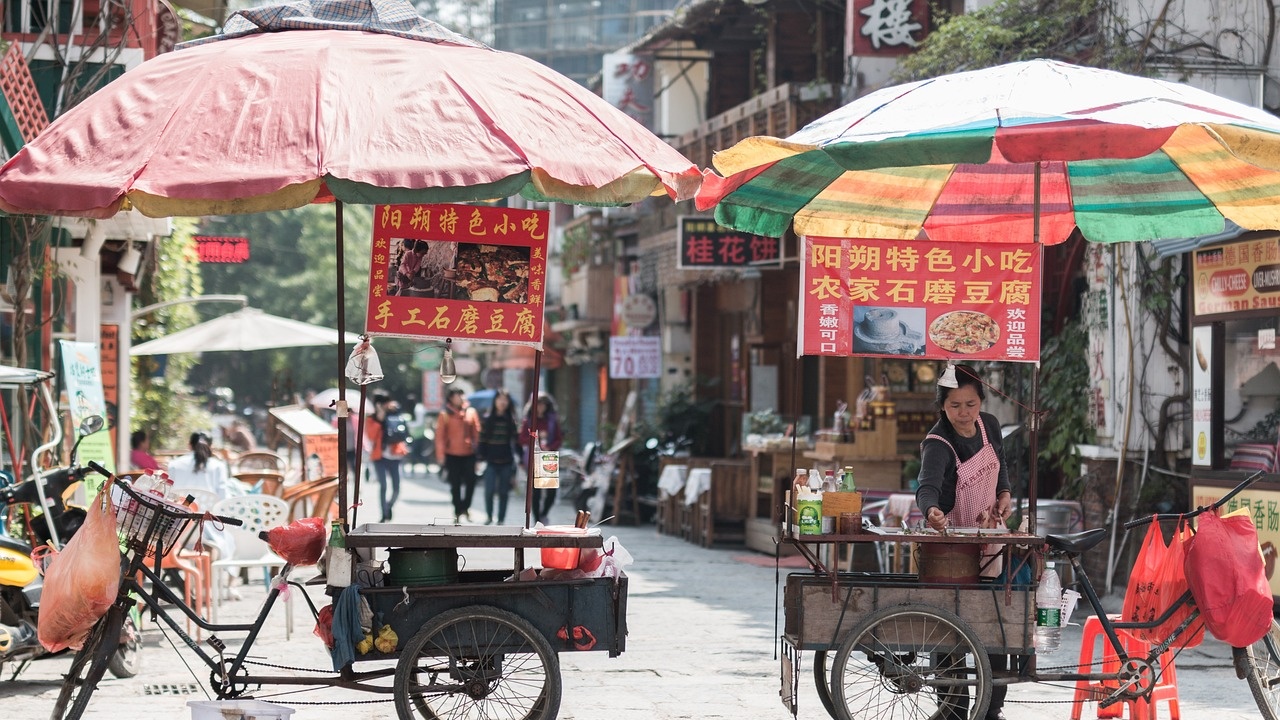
(200, 470)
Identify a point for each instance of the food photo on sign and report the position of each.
(458, 271)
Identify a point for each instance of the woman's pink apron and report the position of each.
(976, 480)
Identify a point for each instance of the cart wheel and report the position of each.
(911, 661)
(1262, 667)
(822, 680)
(478, 662)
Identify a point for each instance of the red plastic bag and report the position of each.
(301, 542)
(1228, 580)
(324, 625)
(82, 581)
(1157, 581)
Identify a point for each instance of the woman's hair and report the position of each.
(137, 438)
(965, 376)
(510, 412)
(201, 448)
(542, 397)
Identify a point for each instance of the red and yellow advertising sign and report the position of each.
(1264, 507)
(458, 271)
(1239, 276)
(919, 299)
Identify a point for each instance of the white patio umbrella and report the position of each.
(245, 329)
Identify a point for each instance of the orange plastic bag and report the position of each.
(1156, 583)
(81, 582)
(1227, 576)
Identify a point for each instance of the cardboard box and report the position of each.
(835, 503)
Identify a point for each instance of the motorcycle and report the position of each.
(20, 580)
(593, 485)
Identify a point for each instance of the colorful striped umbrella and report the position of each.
(955, 158)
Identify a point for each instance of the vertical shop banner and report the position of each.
(110, 358)
(1202, 395)
(458, 271)
(919, 299)
(82, 374)
(1239, 276)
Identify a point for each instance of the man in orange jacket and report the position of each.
(457, 434)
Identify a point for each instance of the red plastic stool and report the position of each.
(1165, 690)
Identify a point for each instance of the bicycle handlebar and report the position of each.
(163, 508)
(1187, 515)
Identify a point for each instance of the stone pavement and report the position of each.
(701, 645)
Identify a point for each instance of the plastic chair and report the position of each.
(260, 460)
(258, 513)
(266, 482)
(312, 499)
(1165, 689)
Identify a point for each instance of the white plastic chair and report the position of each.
(258, 513)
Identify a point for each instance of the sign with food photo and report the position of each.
(458, 271)
(922, 299)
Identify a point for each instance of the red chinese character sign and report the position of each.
(919, 299)
(458, 271)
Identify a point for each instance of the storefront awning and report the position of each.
(1169, 248)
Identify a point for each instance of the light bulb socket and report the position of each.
(130, 260)
(448, 368)
(93, 241)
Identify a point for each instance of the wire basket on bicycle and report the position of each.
(147, 524)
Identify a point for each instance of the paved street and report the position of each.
(701, 645)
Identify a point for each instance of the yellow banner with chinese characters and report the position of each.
(458, 271)
(1237, 276)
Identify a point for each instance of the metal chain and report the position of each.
(247, 662)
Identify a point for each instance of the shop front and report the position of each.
(1235, 380)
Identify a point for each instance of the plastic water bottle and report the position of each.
(1048, 611)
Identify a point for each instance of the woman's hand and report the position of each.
(1000, 510)
(936, 519)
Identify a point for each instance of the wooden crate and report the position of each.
(817, 621)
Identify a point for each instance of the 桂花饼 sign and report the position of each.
(706, 244)
(919, 299)
(458, 271)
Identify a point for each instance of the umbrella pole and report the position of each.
(1033, 444)
(359, 441)
(342, 362)
(534, 443)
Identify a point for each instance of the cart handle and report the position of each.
(1188, 515)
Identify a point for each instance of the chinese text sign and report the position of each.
(919, 299)
(704, 243)
(886, 27)
(1239, 276)
(458, 271)
(222, 249)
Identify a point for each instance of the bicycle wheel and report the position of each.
(911, 661)
(478, 662)
(88, 666)
(822, 680)
(127, 659)
(1262, 666)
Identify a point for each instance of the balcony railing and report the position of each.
(777, 112)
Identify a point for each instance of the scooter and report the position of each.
(20, 580)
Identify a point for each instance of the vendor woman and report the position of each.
(964, 481)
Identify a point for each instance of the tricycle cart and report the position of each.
(485, 639)
(891, 644)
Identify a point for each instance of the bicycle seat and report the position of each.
(1076, 542)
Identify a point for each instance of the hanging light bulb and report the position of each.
(448, 370)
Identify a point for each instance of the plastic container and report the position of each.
(1048, 635)
(561, 558)
(237, 710)
(809, 511)
(412, 567)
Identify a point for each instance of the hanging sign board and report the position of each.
(82, 373)
(1202, 396)
(635, 357)
(920, 299)
(705, 244)
(458, 271)
(1238, 276)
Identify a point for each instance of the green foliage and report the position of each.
(682, 415)
(159, 382)
(1063, 378)
(292, 272)
(1078, 31)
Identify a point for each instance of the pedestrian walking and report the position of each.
(386, 441)
(457, 435)
(497, 449)
(549, 437)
